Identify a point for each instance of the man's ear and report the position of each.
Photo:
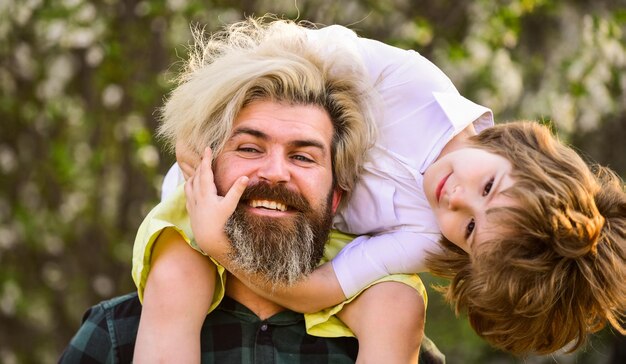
(187, 159)
(337, 194)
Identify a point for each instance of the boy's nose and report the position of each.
(274, 169)
(457, 199)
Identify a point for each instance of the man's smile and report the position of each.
(262, 199)
(267, 204)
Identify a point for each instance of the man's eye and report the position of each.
(470, 227)
(247, 150)
(301, 158)
(488, 187)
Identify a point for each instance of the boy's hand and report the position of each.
(208, 211)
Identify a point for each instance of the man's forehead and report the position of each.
(269, 119)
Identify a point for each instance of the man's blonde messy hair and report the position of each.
(270, 59)
(559, 272)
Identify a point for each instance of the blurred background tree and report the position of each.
(81, 82)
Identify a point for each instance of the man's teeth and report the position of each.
(272, 205)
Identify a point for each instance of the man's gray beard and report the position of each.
(281, 250)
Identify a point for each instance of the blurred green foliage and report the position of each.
(80, 83)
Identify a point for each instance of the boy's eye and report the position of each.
(488, 187)
(470, 227)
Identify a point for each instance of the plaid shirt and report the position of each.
(230, 334)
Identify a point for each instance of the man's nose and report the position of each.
(274, 169)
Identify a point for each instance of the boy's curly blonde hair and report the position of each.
(559, 273)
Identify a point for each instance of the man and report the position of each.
(244, 327)
(289, 117)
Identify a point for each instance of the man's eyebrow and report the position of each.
(308, 143)
(300, 143)
(253, 132)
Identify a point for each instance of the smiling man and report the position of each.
(279, 146)
(288, 134)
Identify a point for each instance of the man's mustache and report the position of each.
(279, 193)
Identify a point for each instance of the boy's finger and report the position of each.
(205, 174)
(231, 199)
(207, 153)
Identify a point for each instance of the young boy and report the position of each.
(477, 193)
(558, 271)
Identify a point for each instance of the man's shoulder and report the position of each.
(117, 308)
(429, 353)
(107, 333)
(124, 306)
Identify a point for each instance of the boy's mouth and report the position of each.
(440, 186)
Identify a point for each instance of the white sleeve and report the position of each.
(422, 109)
(368, 258)
(173, 178)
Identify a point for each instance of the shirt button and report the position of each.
(264, 327)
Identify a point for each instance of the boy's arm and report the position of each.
(369, 258)
(317, 291)
(358, 264)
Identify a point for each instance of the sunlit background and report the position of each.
(79, 165)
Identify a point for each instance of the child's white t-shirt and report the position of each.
(422, 111)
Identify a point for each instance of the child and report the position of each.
(465, 181)
(558, 273)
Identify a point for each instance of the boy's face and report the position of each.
(460, 187)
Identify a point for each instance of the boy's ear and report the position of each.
(337, 194)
